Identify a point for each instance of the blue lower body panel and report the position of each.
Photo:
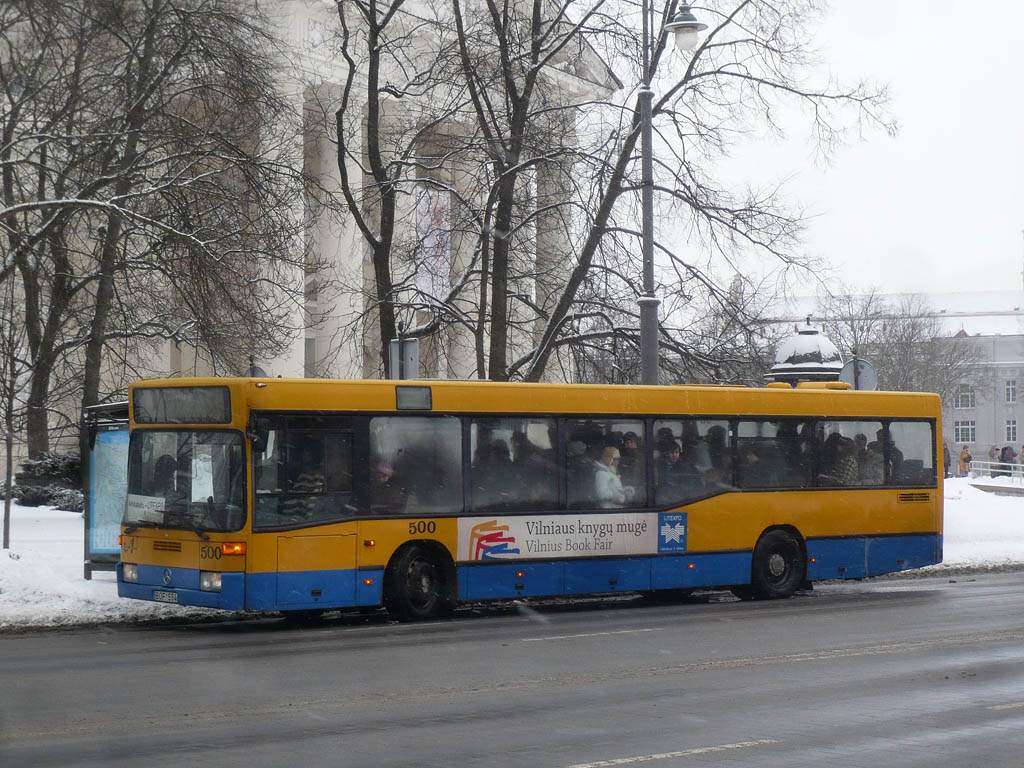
(852, 557)
(857, 557)
(580, 577)
(701, 570)
(313, 590)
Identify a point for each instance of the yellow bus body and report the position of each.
(722, 531)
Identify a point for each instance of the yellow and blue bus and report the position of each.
(302, 496)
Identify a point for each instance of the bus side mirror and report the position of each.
(259, 433)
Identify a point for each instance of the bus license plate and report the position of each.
(165, 597)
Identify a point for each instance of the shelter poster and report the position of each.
(108, 486)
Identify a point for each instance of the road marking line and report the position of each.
(667, 755)
(591, 634)
(1018, 705)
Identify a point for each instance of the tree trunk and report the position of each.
(9, 445)
(37, 423)
(498, 363)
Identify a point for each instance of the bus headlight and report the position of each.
(130, 572)
(209, 581)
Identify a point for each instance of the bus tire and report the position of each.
(778, 566)
(416, 585)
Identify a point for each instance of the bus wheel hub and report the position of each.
(776, 565)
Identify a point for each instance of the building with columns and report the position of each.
(434, 243)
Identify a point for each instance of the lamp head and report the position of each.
(686, 27)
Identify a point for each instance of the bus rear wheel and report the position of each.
(778, 566)
(416, 585)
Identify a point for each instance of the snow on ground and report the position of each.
(982, 529)
(42, 576)
(42, 583)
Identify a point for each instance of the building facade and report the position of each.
(987, 408)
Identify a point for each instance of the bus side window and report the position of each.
(912, 453)
(304, 474)
(594, 465)
(512, 464)
(424, 455)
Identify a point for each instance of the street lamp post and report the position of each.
(686, 28)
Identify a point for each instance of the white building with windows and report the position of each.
(988, 405)
(984, 411)
(987, 409)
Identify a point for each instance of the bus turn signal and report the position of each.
(233, 548)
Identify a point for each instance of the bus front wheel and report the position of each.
(416, 586)
(778, 566)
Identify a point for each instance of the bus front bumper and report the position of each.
(180, 586)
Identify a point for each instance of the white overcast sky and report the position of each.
(940, 207)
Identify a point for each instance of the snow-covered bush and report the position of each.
(57, 496)
(33, 495)
(65, 467)
(68, 499)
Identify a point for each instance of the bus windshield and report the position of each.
(186, 479)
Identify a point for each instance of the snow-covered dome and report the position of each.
(808, 355)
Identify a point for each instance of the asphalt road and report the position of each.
(906, 672)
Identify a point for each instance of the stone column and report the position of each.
(555, 251)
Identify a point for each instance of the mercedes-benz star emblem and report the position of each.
(167, 577)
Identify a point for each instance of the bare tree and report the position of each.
(149, 184)
(904, 340)
(525, 97)
(753, 62)
(14, 366)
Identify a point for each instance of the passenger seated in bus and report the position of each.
(861, 441)
(494, 481)
(631, 463)
(522, 449)
(533, 473)
(694, 449)
(579, 474)
(385, 493)
(845, 469)
(718, 450)
(830, 453)
(608, 489)
(308, 471)
(811, 438)
(883, 442)
(756, 467)
(664, 439)
(872, 468)
(677, 476)
(163, 475)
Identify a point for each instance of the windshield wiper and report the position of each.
(131, 527)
